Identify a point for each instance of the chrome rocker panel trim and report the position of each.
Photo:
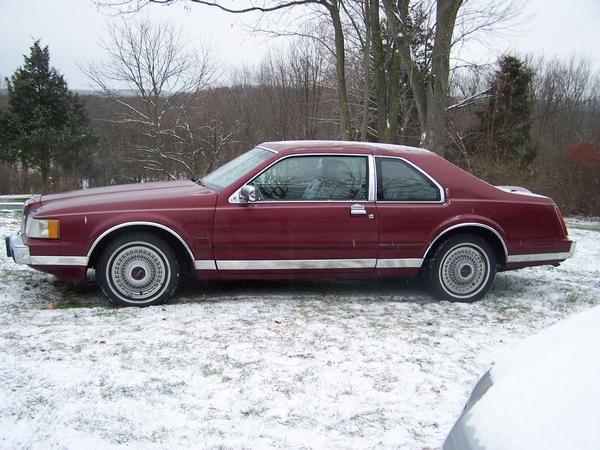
(300, 264)
(399, 263)
(205, 264)
(59, 261)
(293, 264)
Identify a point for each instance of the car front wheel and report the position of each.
(463, 269)
(138, 269)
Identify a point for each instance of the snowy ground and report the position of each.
(354, 364)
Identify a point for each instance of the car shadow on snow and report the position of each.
(53, 294)
(87, 295)
(398, 290)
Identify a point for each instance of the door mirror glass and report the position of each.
(247, 194)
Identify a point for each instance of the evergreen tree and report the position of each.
(44, 125)
(506, 120)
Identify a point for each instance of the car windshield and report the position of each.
(234, 169)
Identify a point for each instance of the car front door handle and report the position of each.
(358, 210)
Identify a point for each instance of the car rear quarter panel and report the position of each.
(528, 223)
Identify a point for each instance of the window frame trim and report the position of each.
(371, 181)
(423, 172)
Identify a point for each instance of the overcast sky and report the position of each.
(73, 28)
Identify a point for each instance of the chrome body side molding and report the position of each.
(58, 261)
(20, 253)
(399, 263)
(207, 264)
(293, 264)
(299, 264)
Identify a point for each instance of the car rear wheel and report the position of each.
(463, 269)
(138, 269)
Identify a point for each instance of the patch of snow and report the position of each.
(311, 364)
(518, 190)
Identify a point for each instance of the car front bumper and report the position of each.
(16, 249)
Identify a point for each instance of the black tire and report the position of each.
(138, 269)
(462, 269)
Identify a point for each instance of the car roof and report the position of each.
(343, 146)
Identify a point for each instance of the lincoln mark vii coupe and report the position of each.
(302, 209)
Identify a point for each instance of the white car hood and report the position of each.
(546, 393)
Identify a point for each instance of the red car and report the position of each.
(295, 210)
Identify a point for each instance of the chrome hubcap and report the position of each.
(139, 272)
(464, 270)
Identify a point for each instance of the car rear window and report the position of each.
(399, 181)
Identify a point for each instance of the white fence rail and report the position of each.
(13, 201)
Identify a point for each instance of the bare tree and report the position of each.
(333, 8)
(307, 71)
(156, 81)
(456, 21)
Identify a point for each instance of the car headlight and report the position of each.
(42, 228)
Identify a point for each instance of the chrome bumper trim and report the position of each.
(19, 252)
(16, 249)
(535, 257)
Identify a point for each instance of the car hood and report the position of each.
(128, 197)
(543, 394)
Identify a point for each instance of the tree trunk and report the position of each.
(379, 66)
(397, 18)
(437, 89)
(394, 97)
(340, 63)
(364, 126)
(45, 173)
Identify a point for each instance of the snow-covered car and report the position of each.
(544, 395)
(301, 209)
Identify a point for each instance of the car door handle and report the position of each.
(358, 210)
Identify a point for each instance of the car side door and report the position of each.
(410, 204)
(311, 212)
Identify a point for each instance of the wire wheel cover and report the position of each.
(464, 270)
(138, 272)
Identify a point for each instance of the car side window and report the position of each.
(312, 178)
(399, 181)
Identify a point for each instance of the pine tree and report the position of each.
(506, 121)
(44, 125)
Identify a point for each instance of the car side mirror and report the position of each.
(247, 194)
